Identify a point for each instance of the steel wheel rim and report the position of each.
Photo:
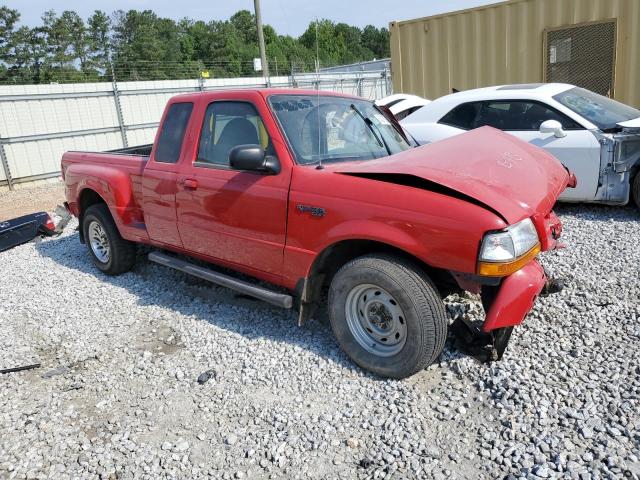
(376, 320)
(99, 242)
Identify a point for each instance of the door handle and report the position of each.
(190, 184)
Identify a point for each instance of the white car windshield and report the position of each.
(331, 128)
(601, 111)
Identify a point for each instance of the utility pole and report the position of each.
(263, 54)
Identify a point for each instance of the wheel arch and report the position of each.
(87, 198)
(333, 257)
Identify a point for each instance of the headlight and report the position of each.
(505, 252)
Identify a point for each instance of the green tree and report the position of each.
(143, 46)
(8, 19)
(99, 26)
(376, 40)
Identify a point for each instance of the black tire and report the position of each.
(635, 189)
(416, 295)
(122, 253)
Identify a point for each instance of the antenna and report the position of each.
(319, 167)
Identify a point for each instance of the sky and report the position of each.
(289, 17)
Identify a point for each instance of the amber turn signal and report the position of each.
(502, 269)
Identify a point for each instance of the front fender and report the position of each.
(384, 233)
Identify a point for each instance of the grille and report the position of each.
(583, 55)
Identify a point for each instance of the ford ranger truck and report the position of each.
(316, 195)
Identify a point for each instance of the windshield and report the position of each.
(601, 111)
(326, 128)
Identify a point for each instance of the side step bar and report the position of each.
(274, 298)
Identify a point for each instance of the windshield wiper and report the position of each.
(386, 113)
(369, 123)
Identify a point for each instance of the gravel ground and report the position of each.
(117, 395)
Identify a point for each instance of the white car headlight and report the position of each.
(504, 252)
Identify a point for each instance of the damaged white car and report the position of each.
(596, 138)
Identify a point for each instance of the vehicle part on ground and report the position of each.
(483, 346)
(246, 288)
(64, 218)
(387, 315)
(19, 369)
(23, 229)
(111, 253)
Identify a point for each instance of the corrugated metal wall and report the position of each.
(503, 43)
(38, 123)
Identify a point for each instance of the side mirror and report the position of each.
(552, 126)
(253, 158)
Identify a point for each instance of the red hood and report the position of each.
(510, 176)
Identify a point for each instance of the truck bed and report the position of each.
(122, 168)
(138, 150)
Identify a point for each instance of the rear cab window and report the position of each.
(172, 133)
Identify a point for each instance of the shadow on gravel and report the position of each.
(154, 285)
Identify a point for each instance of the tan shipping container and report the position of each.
(591, 43)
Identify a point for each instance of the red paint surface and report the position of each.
(252, 223)
(515, 297)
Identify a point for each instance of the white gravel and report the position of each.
(117, 395)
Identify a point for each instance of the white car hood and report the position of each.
(635, 123)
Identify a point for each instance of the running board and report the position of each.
(274, 298)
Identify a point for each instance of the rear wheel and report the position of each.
(111, 253)
(387, 315)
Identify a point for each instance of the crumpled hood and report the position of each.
(497, 170)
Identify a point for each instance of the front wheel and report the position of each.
(635, 189)
(111, 253)
(387, 315)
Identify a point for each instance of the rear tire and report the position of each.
(635, 189)
(387, 315)
(111, 253)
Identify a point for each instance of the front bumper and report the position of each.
(515, 297)
(507, 300)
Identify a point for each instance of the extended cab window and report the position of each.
(520, 115)
(227, 125)
(172, 133)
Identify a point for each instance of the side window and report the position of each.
(172, 133)
(463, 116)
(227, 125)
(521, 115)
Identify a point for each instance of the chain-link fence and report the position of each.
(583, 55)
(38, 123)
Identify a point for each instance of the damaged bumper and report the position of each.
(507, 300)
(506, 306)
(515, 297)
(20, 230)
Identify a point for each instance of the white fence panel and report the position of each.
(38, 123)
(141, 136)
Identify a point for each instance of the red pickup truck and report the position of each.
(314, 195)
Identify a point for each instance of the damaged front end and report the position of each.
(507, 299)
(619, 162)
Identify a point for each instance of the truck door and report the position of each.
(234, 216)
(160, 176)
